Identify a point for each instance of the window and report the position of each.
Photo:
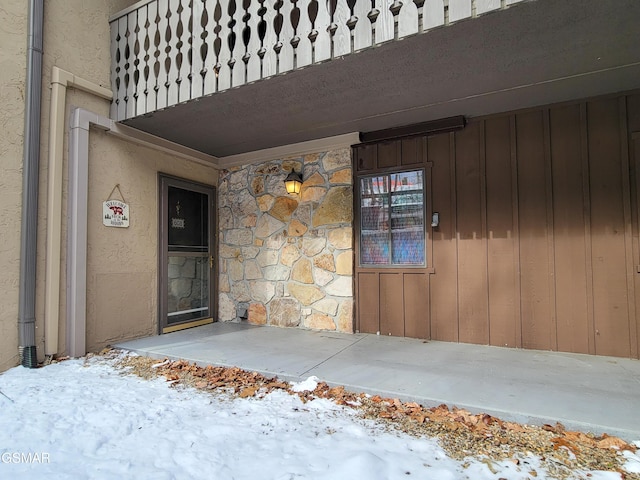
(392, 219)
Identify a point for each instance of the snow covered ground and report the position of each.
(84, 419)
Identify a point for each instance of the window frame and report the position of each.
(426, 208)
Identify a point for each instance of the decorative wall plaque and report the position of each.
(115, 213)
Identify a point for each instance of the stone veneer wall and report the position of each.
(287, 260)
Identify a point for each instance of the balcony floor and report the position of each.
(534, 53)
(590, 393)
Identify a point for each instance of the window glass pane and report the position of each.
(188, 222)
(407, 218)
(374, 220)
(188, 296)
(392, 228)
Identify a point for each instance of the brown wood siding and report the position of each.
(416, 305)
(611, 314)
(368, 302)
(569, 230)
(444, 285)
(635, 198)
(539, 238)
(501, 252)
(391, 304)
(535, 264)
(473, 319)
(633, 134)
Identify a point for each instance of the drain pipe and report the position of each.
(77, 203)
(60, 81)
(30, 166)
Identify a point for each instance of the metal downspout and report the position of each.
(60, 81)
(31, 160)
(78, 179)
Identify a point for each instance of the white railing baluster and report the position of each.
(163, 58)
(199, 47)
(224, 57)
(182, 61)
(253, 60)
(342, 36)
(459, 9)
(433, 15)
(115, 70)
(129, 64)
(145, 56)
(139, 79)
(322, 47)
(153, 53)
(384, 22)
(484, 6)
(408, 19)
(362, 31)
(304, 51)
(238, 76)
(269, 57)
(171, 65)
(285, 57)
(215, 40)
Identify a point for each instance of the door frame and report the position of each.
(164, 182)
(367, 278)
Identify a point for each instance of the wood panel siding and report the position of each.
(635, 198)
(444, 285)
(632, 132)
(416, 305)
(535, 264)
(368, 288)
(570, 250)
(501, 253)
(611, 313)
(473, 317)
(538, 244)
(391, 304)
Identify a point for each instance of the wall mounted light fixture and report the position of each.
(293, 182)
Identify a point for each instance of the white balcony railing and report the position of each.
(166, 52)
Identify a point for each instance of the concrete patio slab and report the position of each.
(584, 392)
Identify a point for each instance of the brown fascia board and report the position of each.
(432, 127)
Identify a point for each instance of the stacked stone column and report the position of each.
(287, 260)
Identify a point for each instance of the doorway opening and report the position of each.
(187, 227)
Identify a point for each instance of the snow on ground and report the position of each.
(84, 419)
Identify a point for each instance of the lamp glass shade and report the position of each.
(292, 183)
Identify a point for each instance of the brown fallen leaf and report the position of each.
(614, 442)
(418, 418)
(559, 442)
(248, 392)
(336, 391)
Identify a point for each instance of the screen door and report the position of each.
(187, 248)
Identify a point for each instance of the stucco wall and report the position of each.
(121, 263)
(287, 260)
(13, 18)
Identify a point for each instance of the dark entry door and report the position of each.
(187, 252)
